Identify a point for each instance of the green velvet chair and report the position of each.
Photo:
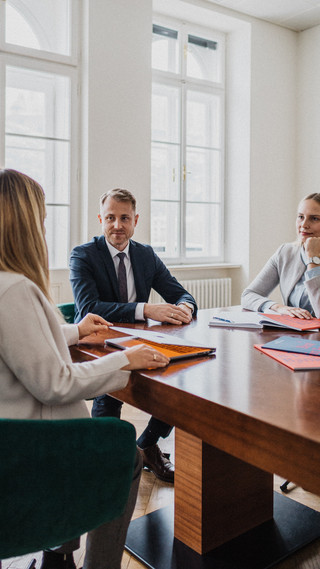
(68, 311)
(59, 479)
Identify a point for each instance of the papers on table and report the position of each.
(158, 337)
(257, 320)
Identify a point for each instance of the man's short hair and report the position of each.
(119, 195)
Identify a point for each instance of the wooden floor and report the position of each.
(154, 494)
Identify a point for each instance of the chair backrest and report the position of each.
(59, 479)
(68, 311)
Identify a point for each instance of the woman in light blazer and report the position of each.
(295, 267)
(38, 378)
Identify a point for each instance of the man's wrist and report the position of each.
(188, 305)
(146, 312)
(139, 312)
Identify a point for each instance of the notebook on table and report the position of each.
(295, 345)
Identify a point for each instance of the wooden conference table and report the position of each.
(240, 417)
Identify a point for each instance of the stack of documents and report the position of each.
(256, 320)
(296, 353)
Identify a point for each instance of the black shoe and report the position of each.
(54, 560)
(156, 462)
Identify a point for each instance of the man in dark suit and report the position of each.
(112, 276)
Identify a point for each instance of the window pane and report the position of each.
(37, 103)
(57, 235)
(203, 119)
(203, 61)
(165, 113)
(39, 24)
(45, 161)
(203, 175)
(37, 125)
(187, 143)
(165, 171)
(202, 230)
(165, 228)
(165, 49)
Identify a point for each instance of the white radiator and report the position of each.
(56, 289)
(208, 293)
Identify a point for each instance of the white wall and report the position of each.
(262, 167)
(118, 89)
(273, 136)
(308, 129)
(237, 170)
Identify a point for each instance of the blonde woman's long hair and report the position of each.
(23, 247)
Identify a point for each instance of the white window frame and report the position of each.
(54, 63)
(71, 59)
(216, 88)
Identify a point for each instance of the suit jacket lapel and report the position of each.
(108, 263)
(138, 273)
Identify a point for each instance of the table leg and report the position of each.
(217, 496)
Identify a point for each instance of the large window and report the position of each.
(38, 79)
(187, 143)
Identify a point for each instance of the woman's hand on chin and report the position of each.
(312, 246)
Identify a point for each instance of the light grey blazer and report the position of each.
(38, 378)
(285, 268)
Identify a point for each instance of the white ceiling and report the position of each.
(296, 15)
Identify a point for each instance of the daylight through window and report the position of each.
(38, 94)
(187, 143)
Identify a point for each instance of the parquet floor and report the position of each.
(154, 494)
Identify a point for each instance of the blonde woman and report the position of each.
(295, 267)
(38, 378)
